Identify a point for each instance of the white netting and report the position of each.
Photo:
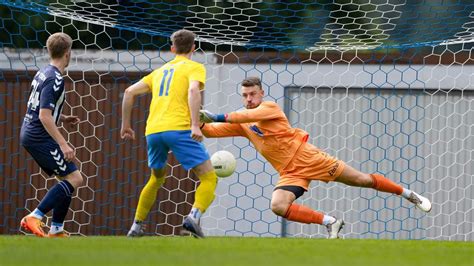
(386, 86)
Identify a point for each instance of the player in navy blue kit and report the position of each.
(41, 137)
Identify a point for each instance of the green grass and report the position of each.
(27, 250)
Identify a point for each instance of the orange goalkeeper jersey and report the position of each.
(267, 128)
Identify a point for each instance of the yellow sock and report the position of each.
(205, 192)
(148, 197)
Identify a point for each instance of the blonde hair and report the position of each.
(58, 44)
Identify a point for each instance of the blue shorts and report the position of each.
(188, 152)
(50, 158)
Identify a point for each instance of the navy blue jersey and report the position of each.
(47, 91)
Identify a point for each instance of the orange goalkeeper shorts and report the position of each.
(310, 163)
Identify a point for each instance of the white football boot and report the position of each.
(420, 202)
(334, 228)
(138, 232)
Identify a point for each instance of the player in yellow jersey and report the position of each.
(173, 124)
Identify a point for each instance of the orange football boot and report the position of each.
(33, 225)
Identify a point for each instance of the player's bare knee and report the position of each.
(279, 207)
(75, 179)
(364, 180)
(78, 181)
(203, 168)
(157, 176)
(158, 173)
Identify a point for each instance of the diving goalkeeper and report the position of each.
(297, 161)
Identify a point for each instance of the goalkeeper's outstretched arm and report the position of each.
(221, 130)
(265, 111)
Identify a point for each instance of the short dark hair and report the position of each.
(183, 41)
(252, 81)
(58, 44)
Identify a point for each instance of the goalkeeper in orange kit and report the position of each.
(297, 161)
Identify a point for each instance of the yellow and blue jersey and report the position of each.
(169, 108)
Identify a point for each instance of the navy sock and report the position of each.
(55, 196)
(60, 210)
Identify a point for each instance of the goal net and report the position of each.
(386, 86)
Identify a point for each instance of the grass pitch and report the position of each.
(28, 250)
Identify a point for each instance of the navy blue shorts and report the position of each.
(189, 152)
(50, 158)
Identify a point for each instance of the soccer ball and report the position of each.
(224, 163)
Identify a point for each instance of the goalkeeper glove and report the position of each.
(208, 117)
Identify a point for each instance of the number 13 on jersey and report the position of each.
(166, 81)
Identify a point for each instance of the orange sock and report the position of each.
(303, 214)
(381, 183)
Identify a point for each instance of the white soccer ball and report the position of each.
(224, 163)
